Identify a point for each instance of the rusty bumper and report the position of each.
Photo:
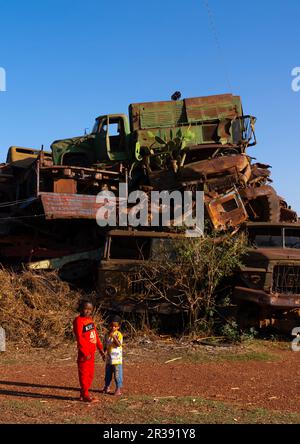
(264, 299)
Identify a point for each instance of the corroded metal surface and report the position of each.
(69, 206)
(226, 211)
(236, 166)
(48, 200)
(270, 275)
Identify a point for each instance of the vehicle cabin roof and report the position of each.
(272, 224)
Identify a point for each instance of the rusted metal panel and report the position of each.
(29, 155)
(212, 108)
(264, 203)
(288, 215)
(260, 173)
(227, 211)
(255, 192)
(268, 224)
(69, 206)
(157, 114)
(265, 299)
(67, 186)
(173, 113)
(82, 172)
(238, 165)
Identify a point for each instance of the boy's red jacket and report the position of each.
(86, 335)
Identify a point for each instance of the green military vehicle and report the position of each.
(174, 145)
(161, 131)
(195, 143)
(189, 144)
(167, 145)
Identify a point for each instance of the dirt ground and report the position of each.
(164, 382)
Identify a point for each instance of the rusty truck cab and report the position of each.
(124, 253)
(112, 137)
(270, 277)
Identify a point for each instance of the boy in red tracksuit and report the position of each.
(87, 341)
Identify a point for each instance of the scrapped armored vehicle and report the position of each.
(151, 148)
(48, 203)
(268, 287)
(36, 206)
(125, 252)
(189, 144)
(174, 145)
(30, 184)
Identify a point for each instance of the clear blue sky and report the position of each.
(70, 60)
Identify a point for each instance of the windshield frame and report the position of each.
(253, 232)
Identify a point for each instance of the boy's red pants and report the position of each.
(86, 374)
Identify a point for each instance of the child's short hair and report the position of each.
(115, 318)
(84, 301)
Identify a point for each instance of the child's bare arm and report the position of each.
(100, 346)
(116, 341)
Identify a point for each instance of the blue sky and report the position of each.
(68, 61)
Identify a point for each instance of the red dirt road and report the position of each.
(274, 385)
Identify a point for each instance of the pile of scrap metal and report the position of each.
(47, 212)
(196, 143)
(202, 143)
(47, 198)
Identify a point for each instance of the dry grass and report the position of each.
(37, 309)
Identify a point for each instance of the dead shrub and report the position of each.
(185, 274)
(38, 309)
